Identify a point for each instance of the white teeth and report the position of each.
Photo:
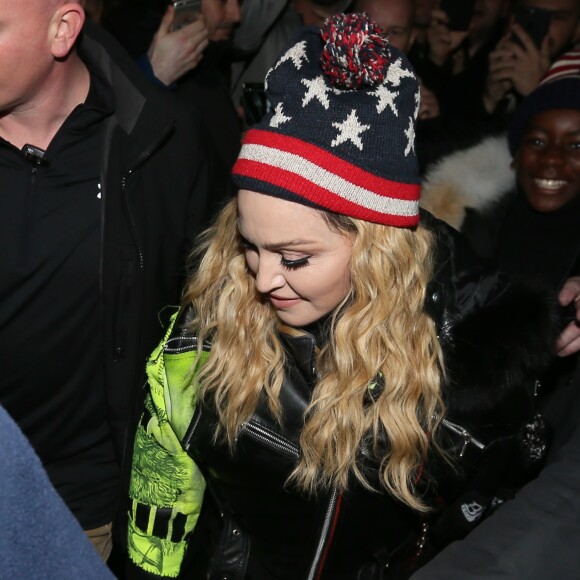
(550, 183)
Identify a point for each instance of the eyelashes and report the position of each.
(285, 263)
(295, 264)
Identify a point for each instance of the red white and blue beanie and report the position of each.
(558, 89)
(342, 130)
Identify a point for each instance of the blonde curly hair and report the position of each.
(380, 329)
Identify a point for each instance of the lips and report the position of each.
(281, 302)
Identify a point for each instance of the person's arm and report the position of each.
(166, 488)
(40, 536)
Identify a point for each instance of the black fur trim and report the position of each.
(499, 351)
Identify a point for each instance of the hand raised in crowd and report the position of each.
(569, 341)
(174, 53)
(516, 66)
(529, 63)
(442, 41)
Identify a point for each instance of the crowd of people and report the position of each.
(353, 226)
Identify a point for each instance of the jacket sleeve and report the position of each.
(166, 488)
(534, 536)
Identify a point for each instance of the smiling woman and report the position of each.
(327, 377)
(301, 266)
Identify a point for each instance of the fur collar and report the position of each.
(474, 177)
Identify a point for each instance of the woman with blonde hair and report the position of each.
(338, 367)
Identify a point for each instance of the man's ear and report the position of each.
(66, 25)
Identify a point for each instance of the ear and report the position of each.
(66, 25)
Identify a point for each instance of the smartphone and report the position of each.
(459, 13)
(186, 12)
(535, 21)
(254, 102)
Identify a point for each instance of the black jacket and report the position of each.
(536, 535)
(495, 339)
(155, 201)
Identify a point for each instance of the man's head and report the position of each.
(36, 40)
(221, 17)
(564, 29)
(395, 17)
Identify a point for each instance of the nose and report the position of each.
(554, 155)
(233, 14)
(269, 277)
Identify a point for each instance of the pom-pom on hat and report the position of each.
(559, 89)
(341, 133)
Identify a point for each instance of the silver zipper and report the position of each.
(324, 535)
(271, 439)
(465, 434)
(191, 344)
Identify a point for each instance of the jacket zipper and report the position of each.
(318, 561)
(465, 434)
(125, 203)
(192, 344)
(271, 439)
(186, 442)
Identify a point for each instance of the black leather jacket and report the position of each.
(254, 525)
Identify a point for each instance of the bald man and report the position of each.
(102, 189)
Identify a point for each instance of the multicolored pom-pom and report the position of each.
(355, 53)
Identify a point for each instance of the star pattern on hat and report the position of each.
(386, 99)
(410, 134)
(396, 73)
(317, 89)
(350, 130)
(279, 117)
(417, 102)
(297, 54)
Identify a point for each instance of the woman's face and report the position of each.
(300, 265)
(547, 162)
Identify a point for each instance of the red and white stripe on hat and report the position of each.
(567, 65)
(277, 163)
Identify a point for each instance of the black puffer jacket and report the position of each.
(496, 338)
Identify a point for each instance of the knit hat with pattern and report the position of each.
(341, 133)
(559, 89)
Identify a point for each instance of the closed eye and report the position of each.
(294, 264)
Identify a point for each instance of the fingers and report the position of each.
(175, 53)
(570, 291)
(166, 21)
(569, 341)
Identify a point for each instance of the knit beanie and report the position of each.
(340, 136)
(559, 89)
